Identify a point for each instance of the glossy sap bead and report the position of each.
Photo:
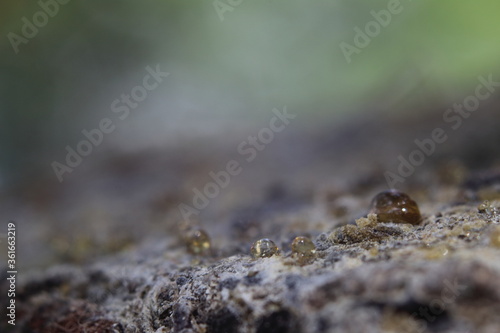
(395, 206)
(303, 248)
(197, 241)
(486, 207)
(495, 237)
(264, 248)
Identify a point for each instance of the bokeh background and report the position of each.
(225, 78)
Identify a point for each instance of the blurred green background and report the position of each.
(223, 74)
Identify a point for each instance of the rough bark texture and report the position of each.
(439, 276)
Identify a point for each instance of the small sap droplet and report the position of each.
(437, 252)
(486, 207)
(374, 251)
(264, 248)
(495, 237)
(303, 248)
(395, 206)
(197, 241)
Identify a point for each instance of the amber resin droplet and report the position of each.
(197, 241)
(495, 237)
(264, 248)
(437, 252)
(486, 208)
(395, 206)
(303, 248)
